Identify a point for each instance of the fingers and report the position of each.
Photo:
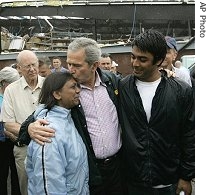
(173, 74)
(184, 186)
(11, 136)
(41, 122)
(40, 142)
(37, 127)
(43, 130)
(40, 133)
(42, 137)
(170, 73)
(178, 190)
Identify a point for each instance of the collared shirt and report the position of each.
(102, 119)
(20, 100)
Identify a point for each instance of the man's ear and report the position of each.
(175, 54)
(57, 95)
(18, 66)
(95, 65)
(159, 62)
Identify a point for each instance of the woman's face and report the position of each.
(68, 96)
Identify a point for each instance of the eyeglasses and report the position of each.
(29, 66)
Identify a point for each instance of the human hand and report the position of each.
(40, 133)
(184, 186)
(11, 136)
(170, 73)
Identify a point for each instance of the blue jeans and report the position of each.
(139, 190)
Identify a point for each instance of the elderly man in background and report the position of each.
(20, 100)
(170, 58)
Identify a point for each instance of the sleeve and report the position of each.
(8, 113)
(24, 137)
(45, 168)
(187, 166)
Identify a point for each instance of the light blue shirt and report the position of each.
(59, 167)
(61, 70)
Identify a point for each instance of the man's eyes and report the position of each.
(75, 65)
(141, 59)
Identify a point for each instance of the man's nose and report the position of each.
(71, 69)
(135, 62)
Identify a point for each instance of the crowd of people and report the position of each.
(89, 130)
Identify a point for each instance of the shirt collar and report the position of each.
(24, 84)
(98, 82)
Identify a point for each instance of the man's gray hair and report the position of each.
(91, 47)
(25, 54)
